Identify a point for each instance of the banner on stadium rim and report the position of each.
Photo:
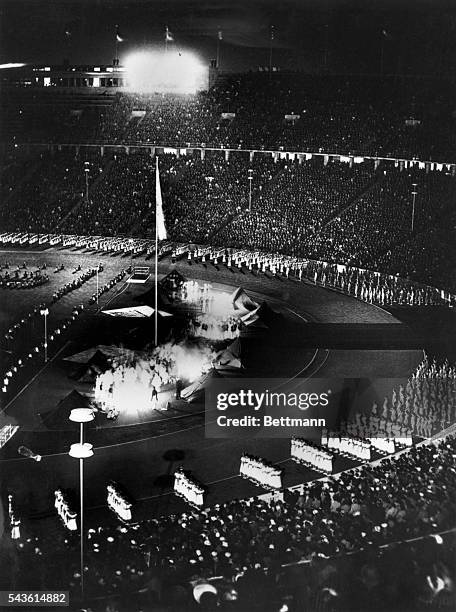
(228, 115)
(292, 117)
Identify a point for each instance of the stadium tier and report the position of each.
(363, 214)
(391, 117)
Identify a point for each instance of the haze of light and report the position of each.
(160, 71)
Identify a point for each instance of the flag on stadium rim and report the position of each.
(119, 37)
(168, 35)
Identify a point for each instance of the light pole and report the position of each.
(131, 242)
(86, 172)
(250, 178)
(81, 450)
(414, 194)
(44, 312)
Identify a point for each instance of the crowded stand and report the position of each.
(124, 180)
(337, 212)
(293, 204)
(48, 189)
(390, 117)
(381, 219)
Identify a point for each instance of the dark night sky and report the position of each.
(421, 33)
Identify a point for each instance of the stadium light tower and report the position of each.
(250, 178)
(81, 450)
(414, 194)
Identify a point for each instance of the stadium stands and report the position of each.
(392, 117)
(352, 214)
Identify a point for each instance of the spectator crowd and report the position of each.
(351, 214)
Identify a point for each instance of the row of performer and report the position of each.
(261, 472)
(188, 488)
(312, 456)
(116, 501)
(370, 286)
(354, 447)
(67, 515)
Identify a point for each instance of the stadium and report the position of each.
(172, 233)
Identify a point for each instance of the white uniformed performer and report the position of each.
(14, 522)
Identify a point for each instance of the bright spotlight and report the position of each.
(11, 65)
(160, 71)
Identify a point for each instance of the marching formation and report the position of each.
(187, 487)
(339, 442)
(117, 502)
(260, 472)
(312, 456)
(62, 506)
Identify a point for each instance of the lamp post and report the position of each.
(250, 178)
(98, 270)
(414, 194)
(81, 450)
(44, 312)
(86, 172)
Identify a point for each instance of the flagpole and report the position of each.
(156, 259)
(166, 48)
(116, 55)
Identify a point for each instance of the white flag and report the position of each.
(159, 216)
